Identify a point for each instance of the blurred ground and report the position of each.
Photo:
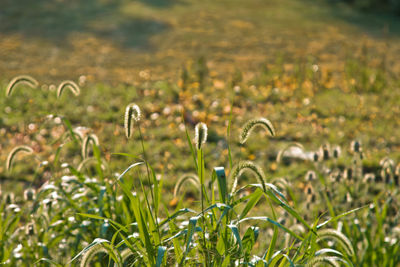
(321, 73)
(112, 41)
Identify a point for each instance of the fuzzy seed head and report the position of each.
(9, 198)
(369, 177)
(132, 114)
(348, 174)
(29, 194)
(386, 175)
(339, 237)
(397, 170)
(23, 79)
(336, 152)
(14, 152)
(355, 146)
(246, 165)
(310, 176)
(311, 198)
(325, 152)
(89, 139)
(200, 136)
(309, 190)
(90, 253)
(316, 157)
(72, 86)
(386, 162)
(252, 124)
(30, 229)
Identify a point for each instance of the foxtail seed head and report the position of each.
(14, 152)
(89, 139)
(310, 176)
(187, 177)
(337, 236)
(316, 157)
(251, 124)
(72, 86)
(369, 178)
(29, 194)
(90, 253)
(325, 152)
(22, 79)
(30, 229)
(200, 136)
(336, 152)
(355, 146)
(241, 167)
(132, 114)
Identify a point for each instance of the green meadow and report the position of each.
(199, 133)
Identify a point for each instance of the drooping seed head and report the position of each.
(325, 152)
(14, 152)
(337, 236)
(310, 176)
(246, 165)
(91, 252)
(9, 198)
(348, 198)
(187, 177)
(369, 177)
(290, 147)
(316, 156)
(348, 174)
(336, 152)
(89, 139)
(308, 190)
(397, 169)
(355, 146)
(311, 198)
(252, 124)
(386, 162)
(72, 86)
(22, 79)
(29, 194)
(200, 136)
(30, 229)
(386, 175)
(132, 114)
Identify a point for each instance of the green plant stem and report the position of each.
(149, 181)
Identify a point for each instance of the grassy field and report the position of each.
(323, 74)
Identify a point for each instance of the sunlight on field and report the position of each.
(199, 133)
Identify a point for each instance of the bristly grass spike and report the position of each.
(252, 124)
(200, 137)
(72, 86)
(132, 114)
(22, 79)
(14, 152)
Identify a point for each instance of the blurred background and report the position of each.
(113, 40)
(321, 71)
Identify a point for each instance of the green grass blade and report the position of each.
(160, 255)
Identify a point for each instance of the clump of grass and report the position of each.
(22, 79)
